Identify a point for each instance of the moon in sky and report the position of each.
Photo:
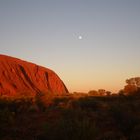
(80, 37)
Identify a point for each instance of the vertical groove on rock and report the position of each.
(48, 83)
(27, 78)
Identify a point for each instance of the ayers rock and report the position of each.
(19, 77)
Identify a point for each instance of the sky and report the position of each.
(90, 44)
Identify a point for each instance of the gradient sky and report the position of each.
(46, 32)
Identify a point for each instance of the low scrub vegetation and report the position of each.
(47, 117)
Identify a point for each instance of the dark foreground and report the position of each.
(70, 118)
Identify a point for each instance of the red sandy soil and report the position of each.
(18, 77)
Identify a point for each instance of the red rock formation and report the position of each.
(21, 77)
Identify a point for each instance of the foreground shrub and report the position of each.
(73, 125)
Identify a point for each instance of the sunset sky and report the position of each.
(90, 44)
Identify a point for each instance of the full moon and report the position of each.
(80, 37)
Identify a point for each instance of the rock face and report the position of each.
(21, 77)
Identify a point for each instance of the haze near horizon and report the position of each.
(90, 44)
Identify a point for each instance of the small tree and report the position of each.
(108, 93)
(102, 92)
(130, 89)
(121, 92)
(93, 93)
